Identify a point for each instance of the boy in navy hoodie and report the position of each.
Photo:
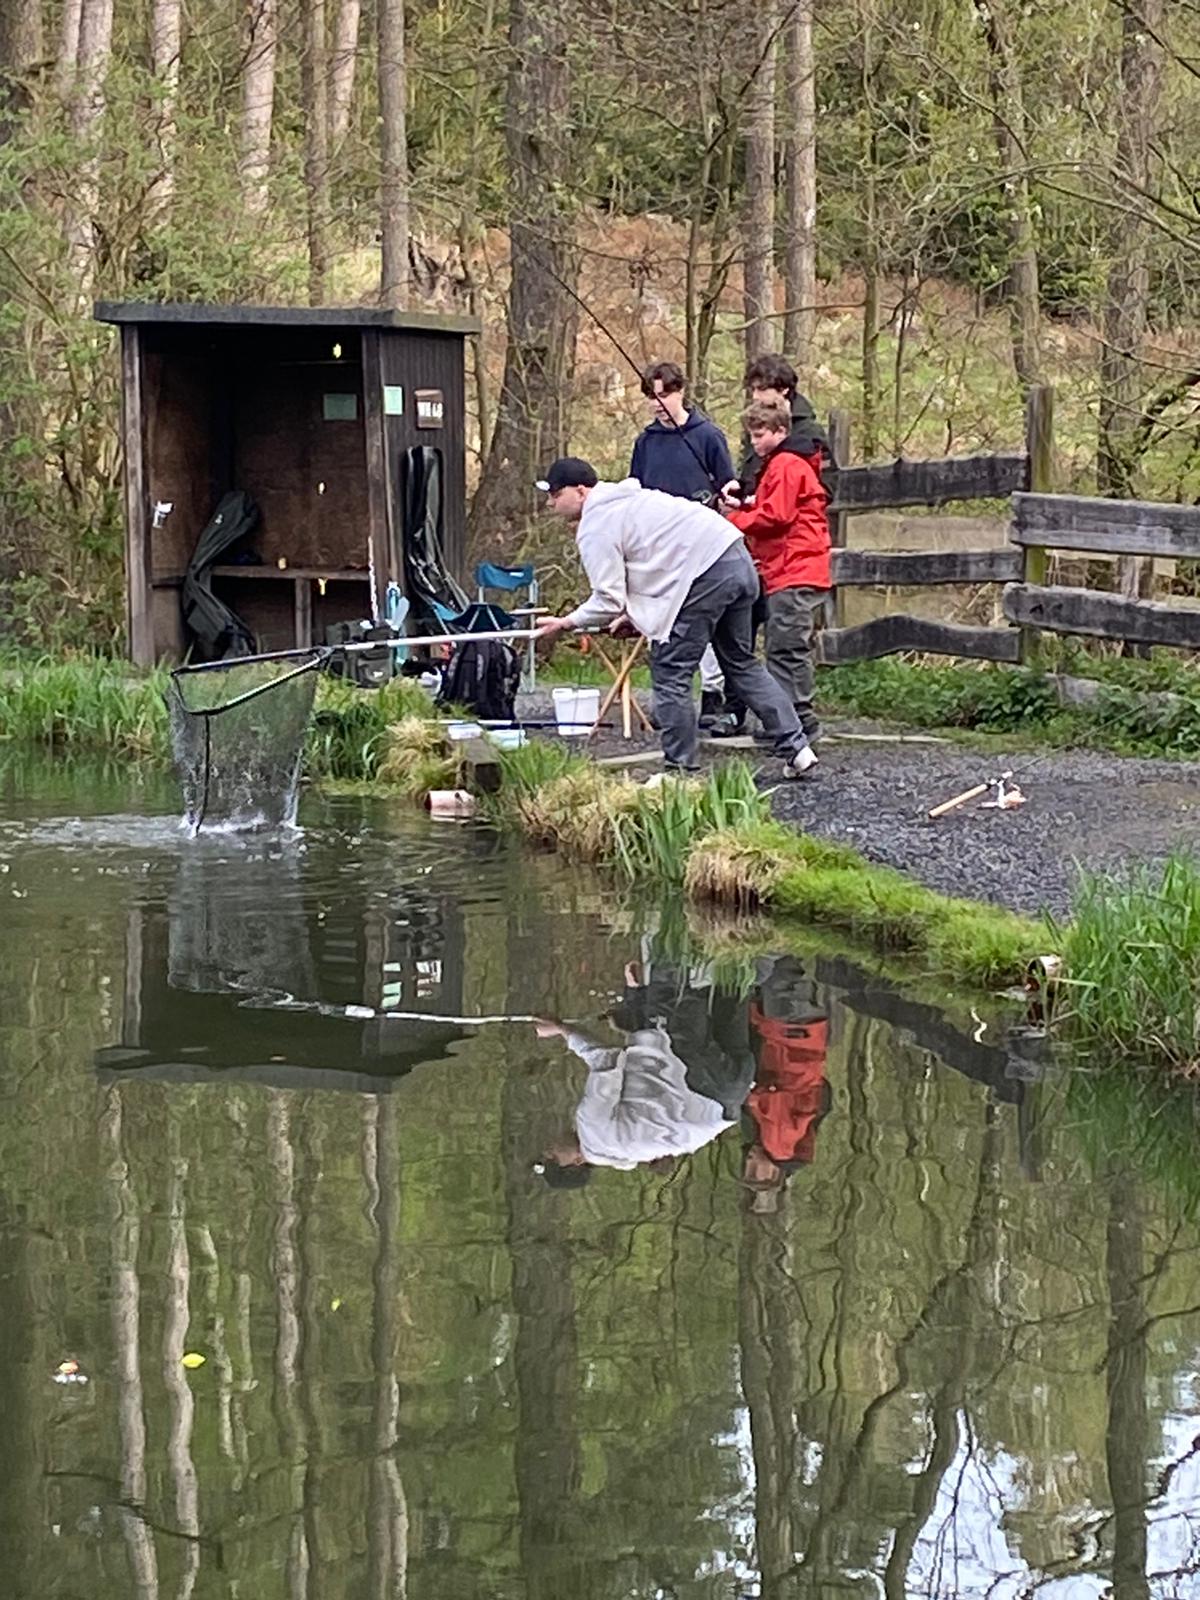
(683, 453)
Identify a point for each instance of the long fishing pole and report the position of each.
(320, 654)
(717, 488)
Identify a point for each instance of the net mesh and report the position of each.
(237, 732)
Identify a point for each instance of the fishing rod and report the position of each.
(319, 654)
(717, 488)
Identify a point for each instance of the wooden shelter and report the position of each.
(313, 413)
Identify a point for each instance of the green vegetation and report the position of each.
(95, 705)
(84, 704)
(1133, 959)
(1016, 700)
(714, 837)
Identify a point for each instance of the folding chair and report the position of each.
(508, 580)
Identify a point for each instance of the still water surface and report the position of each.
(957, 1354)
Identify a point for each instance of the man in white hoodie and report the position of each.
(679, 574)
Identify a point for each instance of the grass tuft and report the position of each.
(1133, 958)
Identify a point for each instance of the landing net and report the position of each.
(238, 731)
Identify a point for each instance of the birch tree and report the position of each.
(393, 156)
(258, 102)
(800, 195)
(166, 37)
(87, 120)
(758, 260)
(342, 71)
(67, 59)
(315, 95)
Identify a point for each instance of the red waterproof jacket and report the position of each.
(786, 528)
(790, 1092)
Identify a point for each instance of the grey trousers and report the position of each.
(791, 620)
(717, 612)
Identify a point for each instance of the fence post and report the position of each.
(1039, 446)
(839, 442)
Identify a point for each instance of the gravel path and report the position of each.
(1083, 808)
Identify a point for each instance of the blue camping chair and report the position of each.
(508, 580)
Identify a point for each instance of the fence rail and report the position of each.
(1040, 522)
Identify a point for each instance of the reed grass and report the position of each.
(1133, 960)
(84, 703)
(351, 729)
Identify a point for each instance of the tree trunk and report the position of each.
(341, 75)
(759, 230)
(21, 49)
(393, 156)
(315, 95)
(800, 200)
(1128, 289)
(870, 333)
(67, 61)
(258, 102)
(1125, 310)
(1127, 1444)
(530, 419)
(1008, 104)
(165, 41)
(87, 117)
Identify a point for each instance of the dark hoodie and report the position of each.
(807, 438)
(692, 462)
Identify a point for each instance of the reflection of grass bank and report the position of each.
(714, 838)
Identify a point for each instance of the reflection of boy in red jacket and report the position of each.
(788, 535)
(791, 1094)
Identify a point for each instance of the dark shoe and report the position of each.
(712, 709)
(728, 726)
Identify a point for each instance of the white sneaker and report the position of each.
(801, 763)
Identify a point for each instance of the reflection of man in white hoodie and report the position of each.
(636, 1108)
(678, 573)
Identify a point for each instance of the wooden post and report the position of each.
(839, 441)
(302, 613)
(1039, 446)
(139, 591)
(382, 536)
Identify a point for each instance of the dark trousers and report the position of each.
(717, 611)
(789, 617)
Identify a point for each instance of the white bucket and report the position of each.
(576, 711)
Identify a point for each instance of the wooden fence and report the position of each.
(1041, 522)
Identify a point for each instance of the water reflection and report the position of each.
(915, 1317)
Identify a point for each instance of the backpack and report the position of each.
(482, 675)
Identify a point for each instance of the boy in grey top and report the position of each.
(678, 573)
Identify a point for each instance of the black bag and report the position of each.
(483, 676)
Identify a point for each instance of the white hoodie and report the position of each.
(637, 1105)
(642, 550)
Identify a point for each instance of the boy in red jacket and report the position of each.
(788, 535)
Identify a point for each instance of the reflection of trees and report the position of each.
(281, 1161)
(23, 1376)
(180, 1403)
(1126, 1434)
(131, 1421)
(939, 1352)
(545, 1356)
(387, 1516)
(767, 1327)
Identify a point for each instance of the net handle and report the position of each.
(319, 654)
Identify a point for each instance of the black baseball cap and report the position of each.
(568, 472)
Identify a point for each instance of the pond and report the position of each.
(291, 1307)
